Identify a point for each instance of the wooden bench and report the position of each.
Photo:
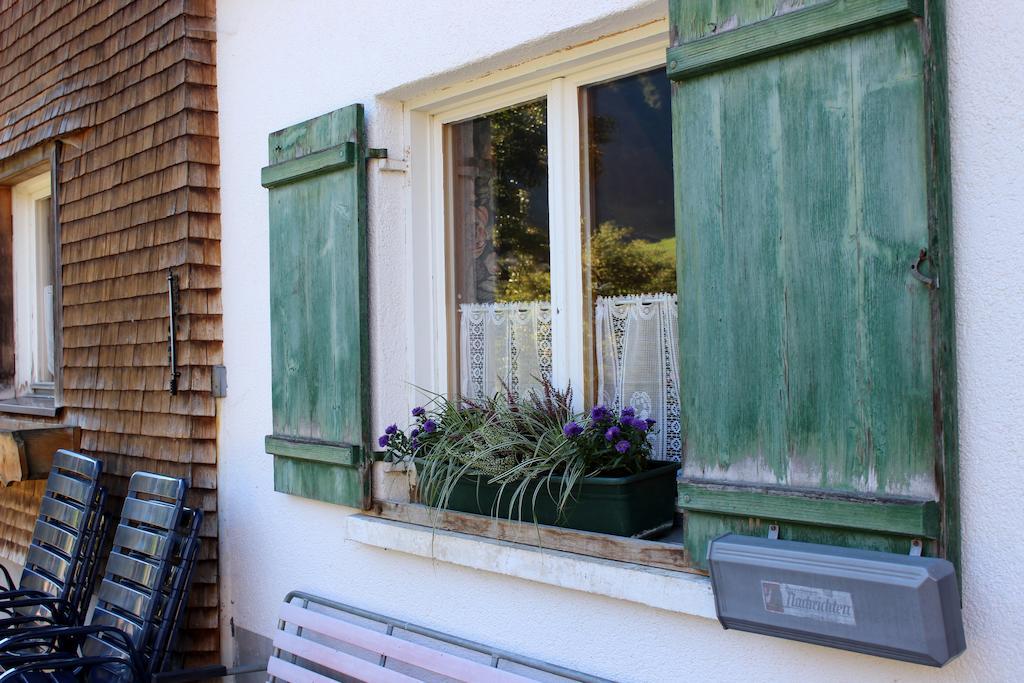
(321, 641)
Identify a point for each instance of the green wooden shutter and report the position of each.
(817, 383)
(318, 308)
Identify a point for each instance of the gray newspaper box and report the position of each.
(882, 604)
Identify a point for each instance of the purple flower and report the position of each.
(572, 429)
(392, 429)
(600, 413)
(415, 432)
(650, 423)
(622, 446)
(429, 426)
(383, 440)
(612, 434)
(628, 412)
(415, 443)
(417, 411)
(637, 423)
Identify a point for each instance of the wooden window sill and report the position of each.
(29, 405)
(647, 572)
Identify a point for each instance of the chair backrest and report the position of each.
(138, 568)
(177, 588)
(321, 640)
(66, 532)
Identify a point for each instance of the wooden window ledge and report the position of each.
(29, 405)
(673, 590)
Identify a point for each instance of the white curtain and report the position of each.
(504, 342)
(637, 342)
(48, 327)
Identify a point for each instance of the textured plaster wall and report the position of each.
(280, 63)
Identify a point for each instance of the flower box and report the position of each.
(635, 505)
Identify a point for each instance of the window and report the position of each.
(803, 405)
(34, 301)
(543, 290)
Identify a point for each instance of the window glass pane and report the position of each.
(630, 252)
(629, 155)
(498, 192)
(43, 361)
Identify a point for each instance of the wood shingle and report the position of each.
(129, 85)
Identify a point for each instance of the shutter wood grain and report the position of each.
(803, 162)
(319, 308)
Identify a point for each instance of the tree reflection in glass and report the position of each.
(499, 203)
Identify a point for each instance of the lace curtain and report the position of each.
(637, 342)
(504, 342)
(637, 338)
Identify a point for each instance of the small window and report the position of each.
(34, 287)
(618, 345)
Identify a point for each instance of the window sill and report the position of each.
(667, 589)
(29, 405)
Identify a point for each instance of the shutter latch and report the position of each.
(915, 270)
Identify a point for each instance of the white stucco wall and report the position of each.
(281, 63)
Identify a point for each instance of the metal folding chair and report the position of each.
(140, 600)
(61, 563)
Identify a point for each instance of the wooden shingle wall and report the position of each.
(130, 86)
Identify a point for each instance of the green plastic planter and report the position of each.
(623, 506)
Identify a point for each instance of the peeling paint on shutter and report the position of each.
(817, 381)
(318, 296)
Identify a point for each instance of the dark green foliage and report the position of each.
(621, 265)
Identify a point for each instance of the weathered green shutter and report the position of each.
(318, 308)
(817, 371)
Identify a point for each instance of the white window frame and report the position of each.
(24, 196)
(559, 79)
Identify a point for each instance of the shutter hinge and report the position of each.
(915, 547)
(387, 165)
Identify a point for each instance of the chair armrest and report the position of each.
(32, 599)
(22, 622)
(46, 636)
(62, 611)
(22, 593)
(30, 650)
(66, 663)
(8, 582)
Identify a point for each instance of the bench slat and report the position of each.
(279, 669)
(336, 660)
(396, 648)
